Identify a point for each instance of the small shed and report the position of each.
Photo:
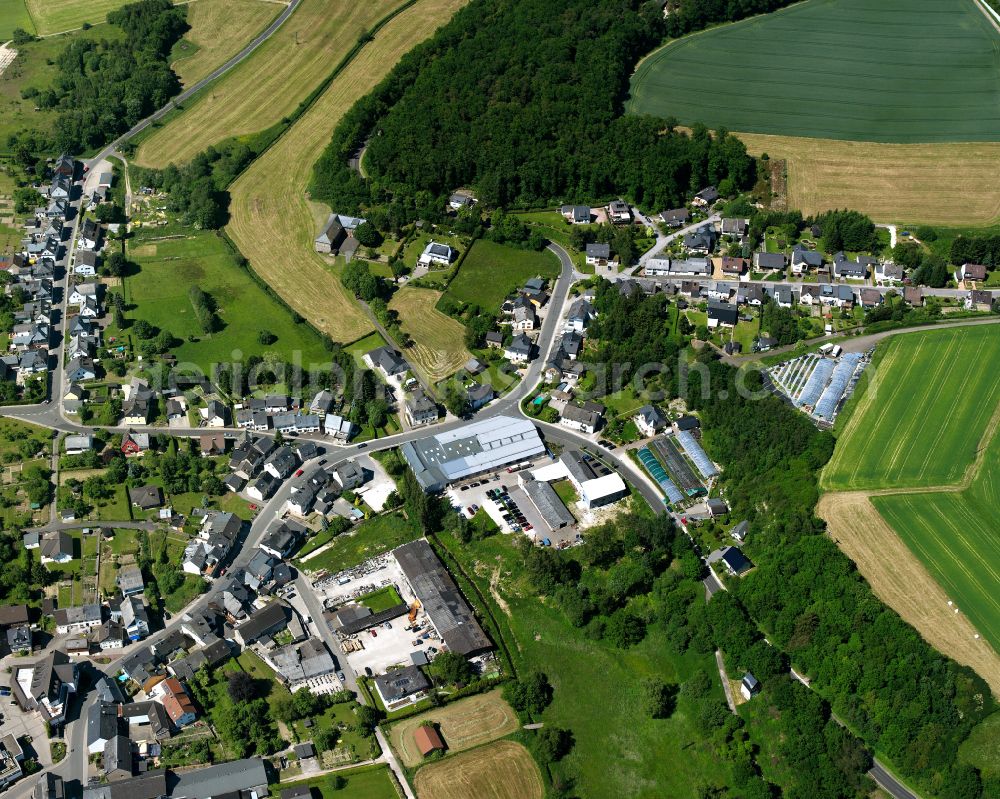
(427, 740)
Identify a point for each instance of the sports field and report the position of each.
(922, 417)
(462, 724)
(503, 770)
(956, 535)
(219, 30)
(887, 71)
(169, 268)
(271, 221)
(491, 271)
(270, 84)
(937, 184)
(438, 340)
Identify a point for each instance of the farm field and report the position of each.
(219, 30)
(463, 725)
(170, 267)
(14, 14)
(56, 16)
(923, 414)
(491, 271)
(955, 534)
(938, 184)
(905, 581)
(269, 85)
(272, 222)
(362, 783)
(503, 770)
(893, 71)
(438, 340)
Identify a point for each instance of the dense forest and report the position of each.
(103, 87)
(538, 120)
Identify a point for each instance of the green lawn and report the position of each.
(955, 535)
(413, 249)
(382, 599)
(342, 717)
(491, 271)
(370, 538)
(370, 342)
(891, 71)
(372, 782)
(566, 492)
(619, 750)
(923, 413)
(169, 268)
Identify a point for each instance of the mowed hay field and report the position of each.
(923, 414)
(14, 14)
(891, 71)
(503, 770)
(269, 85)
(219, 30)
(56, 16)
(904, 582)
(438, 340)
(463, 725)
(957, 536)
(937, 184)
(271, 220)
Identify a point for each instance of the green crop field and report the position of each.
(923, 414)
(887, 71)
(491, 271)
(168, 269)
(14, 14)
(955, 535)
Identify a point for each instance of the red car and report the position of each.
(298, 473)
(253, 507)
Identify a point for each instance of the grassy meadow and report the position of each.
(159, 292)
(892, 71)
(267, 86)
(923, 414)
(491, 271)
(219, 30)
(14, 14)
(272, 222)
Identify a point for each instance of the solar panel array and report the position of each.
(697, 455)
(671, 457)
(815, 385)
(840, 381)
(656, 471)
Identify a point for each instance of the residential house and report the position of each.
(212, 444)
(262, 624)
(749, 686)
(735, 228)
(19, 640)
(460, 200)
(675, 217)
(700, 242)
(619, 213)
(257, 572)
(281, 463)
(733, 267)
(135, 443)
(871, 298)
(479, 394)
(263, 487)
(49, 786)
(330, 236)
(108, 635)
(349, 475)
(420, 409)
(203, 554)
(387, 361)
(295, 423)
(733, 559)
(322, 403)
(524, 318)
(598, 253)
(585, 417)
(275, 403)
(89, 234)
(135, 618)
(64, 166)
(844, 267)
(706, 197)
(76, 444)
(976, 272)
(579, 316)
(769, 261)
(116, 759)
(176, 701)
(520, 349)
(979, 300)
(11, 759)
(146, 497)
(913, 295)
(214, 414)
(52, 682)
(889, 272)
(722, 313)
(79, 618)
(494, 339)
(338, 427)
(649, 421)
(576, 214)
(283, 538)
(804, 259)
(56, 547)
(85, 263)
(437, 253)
(129, 580)
(783, 296)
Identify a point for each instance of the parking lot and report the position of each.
(25, 725)
(481, 492)
(391, 645)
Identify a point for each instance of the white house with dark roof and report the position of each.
(437, 253)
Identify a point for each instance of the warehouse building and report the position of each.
(596, 483)
(550, 507)
(441, 600)
(481, 447)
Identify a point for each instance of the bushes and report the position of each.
(204, 309)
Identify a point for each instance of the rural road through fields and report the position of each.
(184, 95)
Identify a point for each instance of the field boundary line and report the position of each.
(990, 14)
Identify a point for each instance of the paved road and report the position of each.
(219, 71)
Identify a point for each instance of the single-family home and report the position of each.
(494, 339)
(649, 420)
(804, 259)
(85, 263)
(437, 253)
(349, 475)
(338, 427)
(135, 618)
(732, 558)
(214, 414)
(598, 253)
(524, 318)
(330, 236)
(479, 394)
(976, 272)
(79, 618)
(281, 463)
(979, 300)
(579, 316)
(146, 497)
(706, 197)
(129, 580)
(322, 403)
(212, 444)
(519, 350)
(585, 417)
(176, 701)
(734, 228)
(675, 217)
(844, 267)
(732, 266)
(263, 487)
(134, 443)
(871, 298)
(386, 360)
(420, 409)
(769, 261)
(700, 242)
(77, 444)
(460, 200)
(619, 213)
(576, 214)
(56, 547)
(722, 313)
(913, 295)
